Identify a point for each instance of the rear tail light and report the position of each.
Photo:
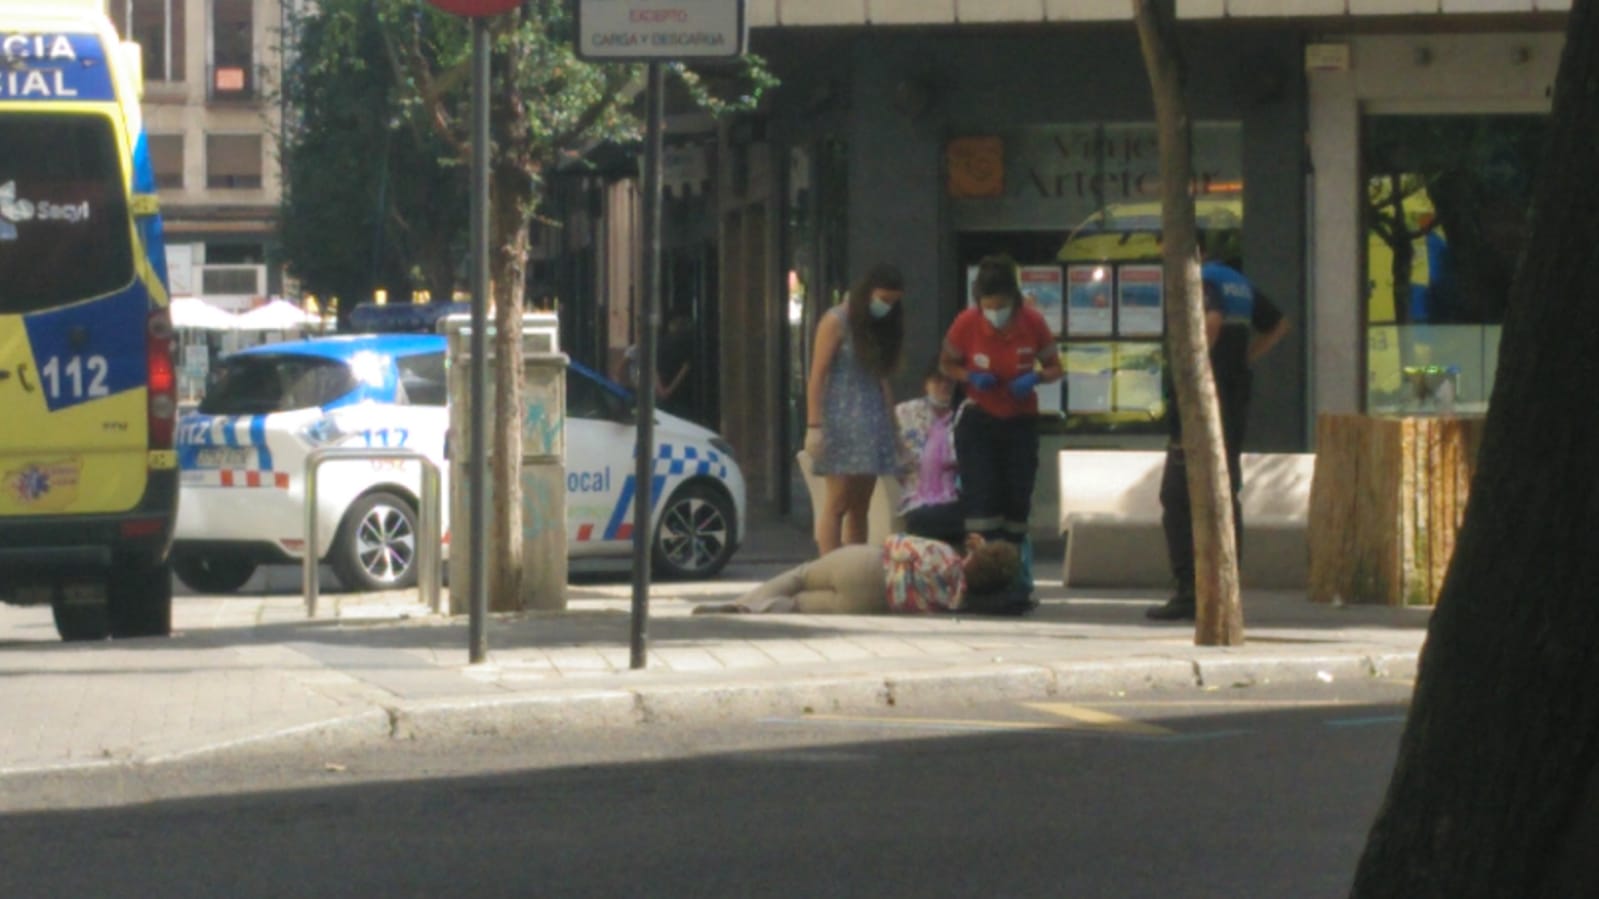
(135, 528)
(163, 383)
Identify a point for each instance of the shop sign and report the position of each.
(643, 30)
(1057, 176)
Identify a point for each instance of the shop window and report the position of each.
(166, 157)
(1446, 219)
(1078, 207)
(233, 161)
(157, 26)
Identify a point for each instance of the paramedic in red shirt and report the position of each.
(1000, 350)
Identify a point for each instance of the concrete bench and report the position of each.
(1110, 518)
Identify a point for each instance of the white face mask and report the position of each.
(937, 402)
(997, 317)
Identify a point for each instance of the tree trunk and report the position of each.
(508, 240)
(1495, 790)
(1220, 617)
(1404, 249)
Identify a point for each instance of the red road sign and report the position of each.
(474, 8)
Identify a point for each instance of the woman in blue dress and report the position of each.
(850, 432)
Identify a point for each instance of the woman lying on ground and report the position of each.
(904, 574)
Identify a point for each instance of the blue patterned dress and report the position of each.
(858, 431)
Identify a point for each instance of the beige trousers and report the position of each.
(849, 580)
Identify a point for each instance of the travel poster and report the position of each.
(1049, 398)
(1139, 293)
(1089, 372)
(1041, 289)
(1088, 309)
(1138, 379)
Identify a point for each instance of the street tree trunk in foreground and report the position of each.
(512, 192)
(1496, 790)
(1220, 618)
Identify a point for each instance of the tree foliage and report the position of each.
(369, 201)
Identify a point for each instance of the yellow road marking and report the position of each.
(1228, 703)
(1067, 717)
(943, 722)
(1095, 719)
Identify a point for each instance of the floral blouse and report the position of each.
(923, 575)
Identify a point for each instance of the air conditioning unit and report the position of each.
(242, 281)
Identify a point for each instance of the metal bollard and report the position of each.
(429, 525)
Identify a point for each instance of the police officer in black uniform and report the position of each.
(1241, 325)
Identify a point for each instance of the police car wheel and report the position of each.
(212, 574)
(376, 547)
(695, 536)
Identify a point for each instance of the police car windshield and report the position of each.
(259, 384)
(64, 232)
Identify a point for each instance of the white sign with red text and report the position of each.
(622, 30)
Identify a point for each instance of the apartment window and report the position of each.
(166, 157)
(157, 26)
(232, 50)
(233, 161)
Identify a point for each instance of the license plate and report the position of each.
(225, 457)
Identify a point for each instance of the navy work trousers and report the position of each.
(998, 460)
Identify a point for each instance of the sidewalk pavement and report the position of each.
(252, 670)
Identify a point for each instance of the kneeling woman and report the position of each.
(904, 574)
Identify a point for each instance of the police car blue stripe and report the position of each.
(258, 439)
(623, 503)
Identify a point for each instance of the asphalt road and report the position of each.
(1258, 792)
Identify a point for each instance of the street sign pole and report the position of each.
(478, 374)
(477, 461)
(648, 319)
(635, 31)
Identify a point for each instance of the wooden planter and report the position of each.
(1388, 496)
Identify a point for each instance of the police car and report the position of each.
(242, 463)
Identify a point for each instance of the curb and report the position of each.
(778, 696)
(711, 698)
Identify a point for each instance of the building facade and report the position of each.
(1365, 161)
(210, 71)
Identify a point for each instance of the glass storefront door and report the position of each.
(815, 273)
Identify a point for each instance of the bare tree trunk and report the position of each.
(1220, 619)
(1496, 789)
(1403, 246)
(508, 239)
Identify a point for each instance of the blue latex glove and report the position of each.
(982, 380)
(1023, 385)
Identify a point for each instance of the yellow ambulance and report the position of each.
(88, 403)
